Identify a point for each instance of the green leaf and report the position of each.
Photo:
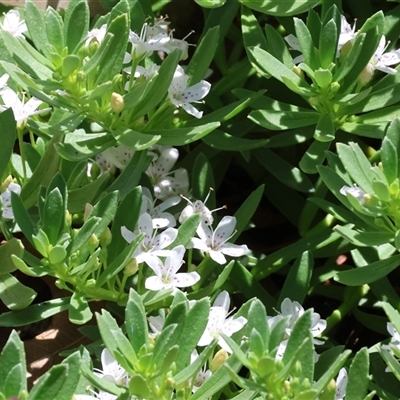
(136, 321)
(43, 174)
(51, 384)
(224, 141)
(54, 29)
(70, 63)
(325, 129)
(203, 180)
(306, 43)
(12, 355)
(83, 235)
(8, 136)
(358, 378)
(22, 217)
(313, 157)
(74, 375)
(283, 171)
(279, 8)
(277, 120)
(253, 36)
(136, 140)
(34, 313)
(105, 210)
(203, 56)
(120, 261)
(297, 282)
(54, 215)
(277, 46)
(194, 325)
(37, 28)
(14, 294)
(369, 273)
(390, 157)
(256, 318)
(79, 311)
(11, 247)
(186, 231)
(328, 44)
(127, 215)
(76, 23)
(392, 314)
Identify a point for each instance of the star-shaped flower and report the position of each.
(381, 60)
(22, 111)
(152, 245)
(12, 23)
(354, 191)
(214, 242)
(166, 273)
(219, 322)
(97, 34)
(181, 95)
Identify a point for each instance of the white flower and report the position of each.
(160, 173)
(201, 376)
(219, 323)
(181, 95)
(22, 111)
(294, 310)
(6, 199)
(111, 370)
(167, 276)
(144, 45)
(353, 191)
(215, 243)
(152, 245)
(97, 34)
(13, 24)
(118, 157)
(381, 60)
(156, 324)
(341, 384)
(160, 218)
(347, 32)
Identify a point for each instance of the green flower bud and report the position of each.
(366, 74)
(90, 283)
(335, 86)
(219, 359)
(299, 72)
(93, 47)
(329, 392)
(105, 237)
(346, 49)
(131, 268)
(80, 76)
(117, 102)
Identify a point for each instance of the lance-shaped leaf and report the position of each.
(280, 8)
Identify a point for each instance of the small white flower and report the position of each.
(347, 32)
(167, 183)
(181, 95)
(215, 243)
(219, 323)
(22, 111)
(381, 60)
(144, 45)
(118, 157)
(3, 82)
(111, 370)
(6, 200)
(156, 324)
(201, 376)
(97, 34)
(167, 276)
(294, 310)
(13, 24)
(152, 245)
(160, 218)
(353, 191)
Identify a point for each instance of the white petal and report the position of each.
(223, 231)
(293, 42)
(196, 92)
(145, 226)
(233, 325)
(155, 283)
(223, 300)
(165, 238)
(185, 279)
(217, 256)
(341, 384)
(196, 243)
(191, 110)
(234, 250)
(127, 234)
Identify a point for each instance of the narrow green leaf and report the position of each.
(54, 29)
(357, 385)
(83, 235)
(14, 294)
(76, 23)
(8, 136)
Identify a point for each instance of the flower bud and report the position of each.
(131, 268)
(90, 283)
(220, 357)
(93, 47)
(346, 48)
(329, 392)
(335, 86)
(366, 74)
(105, 237)
(117, 102)
(88, 210)
(68, 219)
(93, 241)
(80, 76)
(6, 183)
(299, 72)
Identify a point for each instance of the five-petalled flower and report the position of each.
(214, 242)
(14, 24)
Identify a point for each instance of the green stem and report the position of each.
(20, 136)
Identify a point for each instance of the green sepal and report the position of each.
(79, 311)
